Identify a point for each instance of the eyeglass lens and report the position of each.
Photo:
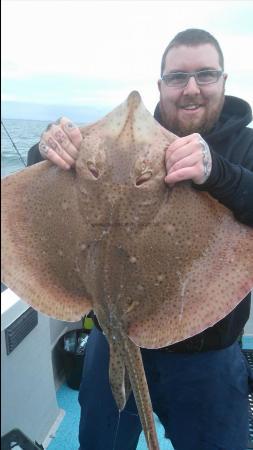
(201, 77)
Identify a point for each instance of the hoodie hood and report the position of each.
(236, 114)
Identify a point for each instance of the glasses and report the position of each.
(202, 77)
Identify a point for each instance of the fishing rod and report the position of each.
(13, 143)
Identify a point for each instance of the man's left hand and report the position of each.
(188, 158)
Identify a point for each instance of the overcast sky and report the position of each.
(84, 55)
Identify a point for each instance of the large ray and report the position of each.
(112, 237)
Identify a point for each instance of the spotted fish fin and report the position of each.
(117, 376)
(128, 388)
(42, 253)
(135, 370)
(199, 267)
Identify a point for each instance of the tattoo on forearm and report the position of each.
(207, 160)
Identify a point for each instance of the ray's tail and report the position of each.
(135, 369)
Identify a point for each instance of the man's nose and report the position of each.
(192, 86)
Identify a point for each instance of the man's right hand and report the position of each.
(60, 143)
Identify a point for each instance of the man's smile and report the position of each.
(191, 107)
(191, 104)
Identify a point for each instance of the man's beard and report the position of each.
(195, 125)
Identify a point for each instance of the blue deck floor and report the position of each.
(66, 437)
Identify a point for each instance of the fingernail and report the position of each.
(69, 125)
(43, 147)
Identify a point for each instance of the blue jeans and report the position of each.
(201, 399)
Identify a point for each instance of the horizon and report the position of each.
(79, 115)
(47, 113)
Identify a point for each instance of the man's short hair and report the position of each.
(192, 38)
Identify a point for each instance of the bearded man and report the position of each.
(199, 387)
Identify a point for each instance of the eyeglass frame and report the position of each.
(194, 74)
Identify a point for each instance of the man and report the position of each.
(199, 387)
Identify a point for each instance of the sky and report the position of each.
(82, 58)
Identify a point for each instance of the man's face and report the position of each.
(194, 108)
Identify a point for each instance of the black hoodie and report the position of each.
(230, 182)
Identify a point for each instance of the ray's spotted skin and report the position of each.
(113, 237)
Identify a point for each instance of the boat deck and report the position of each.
(66, 437)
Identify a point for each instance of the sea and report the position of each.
(18, 136)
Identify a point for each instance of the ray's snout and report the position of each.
(134, 99)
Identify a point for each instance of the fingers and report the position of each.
(185, 173)
(187, 154)
(72, 131)
(188, 158)
(187, 161)
(54, 157)
(181, 148)
(60, 143)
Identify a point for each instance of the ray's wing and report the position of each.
(198, 266)
(43, 238)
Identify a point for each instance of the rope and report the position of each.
(13, 143)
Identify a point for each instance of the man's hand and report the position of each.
(188, 158)
(60, 143)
